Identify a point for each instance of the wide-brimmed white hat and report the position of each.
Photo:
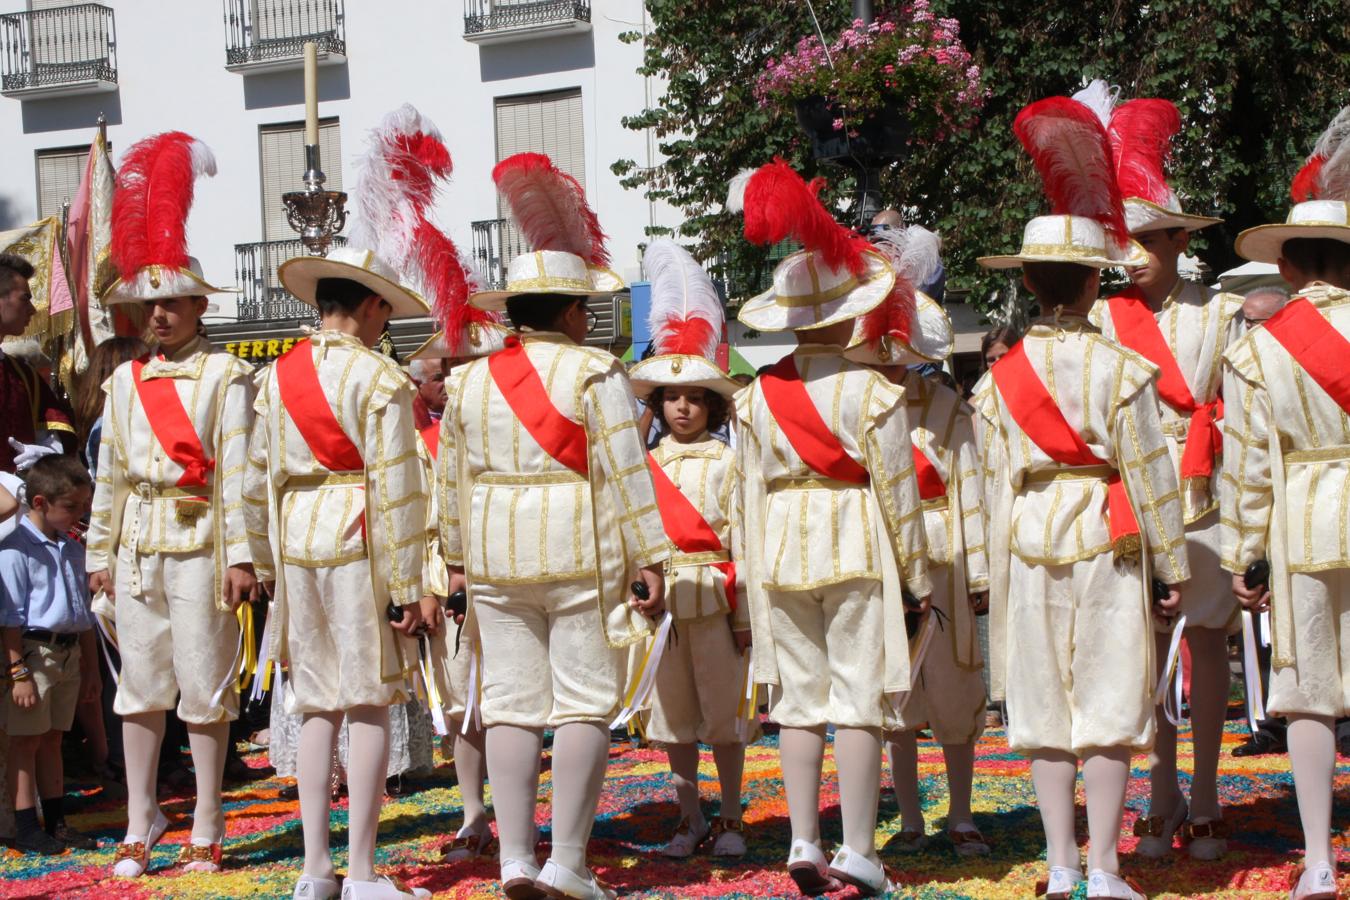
(1310, 219)
(1144, 215)
(806, 293)
(930, 340)
(549, 272)
(479, 339)
(162, 283)
(1071, 239)
(679, 370)
(301, 277)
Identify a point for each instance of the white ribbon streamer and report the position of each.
(1251, 673)
(1172, 673)
(748, 707)
(433, 695)
(646, 674)
(105, 641)
(264, 660)
(472, 715)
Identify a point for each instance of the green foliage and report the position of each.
(1255, 80)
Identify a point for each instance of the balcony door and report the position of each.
(62, 40)
(281, 150)
(286, 20)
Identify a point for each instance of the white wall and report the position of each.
(171, 75)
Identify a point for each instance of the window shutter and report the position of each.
(540, 123)
(58, 178)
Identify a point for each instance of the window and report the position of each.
(58, 178)
(282, 150)
(540, 123)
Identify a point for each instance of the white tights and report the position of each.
(902, 748)
(1105, 773)
(367, 759)
(142, 735)
(1312, 754)
(470, 770)
(1209, 707)
(857, 756)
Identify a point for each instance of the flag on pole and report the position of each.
(88, 236)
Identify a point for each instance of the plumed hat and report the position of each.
(909, 327)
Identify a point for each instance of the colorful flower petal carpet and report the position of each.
(637, 814)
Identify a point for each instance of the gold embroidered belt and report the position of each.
(318, 480)
(535, 479)
(1070, 473)
(1321, 454)
(810, 483)
(698, 559)
(1177, 428)
(146, 491)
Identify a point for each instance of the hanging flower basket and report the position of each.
(882, 135)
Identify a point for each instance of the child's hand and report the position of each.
(25, 694)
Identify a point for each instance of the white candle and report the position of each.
(312, 94)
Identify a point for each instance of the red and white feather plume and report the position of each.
(1326, 174)
(1141, 133)
(778, 204)
(1069, 147)
(686, 314)
(400, 175)
(915, 253)
(550, 208)
(151, 201)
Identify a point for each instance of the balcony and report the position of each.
(58, 52)
(501, 21)
(270, 35)
(261, 295)
(496, 242)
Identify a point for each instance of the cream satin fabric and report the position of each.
(810, 540)
(217, 393)
(513, 515)
(1286, 468)
(1107, 394)
(1198, 323)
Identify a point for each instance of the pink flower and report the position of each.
(837, 124)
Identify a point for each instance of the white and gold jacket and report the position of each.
(301, 514)
(705, 472)
(801, 532)
(512, 514)
(1047, 514)
(941, 427)
(137, 503)
(1198, 324)
(1286, 476)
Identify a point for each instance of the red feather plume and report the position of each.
(1305, 184)
(151, 201)
(550, 207)
(779, 205)
(1141, 133)
(1069, 147)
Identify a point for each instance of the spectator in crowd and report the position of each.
(997, 342)
(88, 400)
(33, 421)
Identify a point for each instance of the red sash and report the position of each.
(303, 398)
(1318, 348)
(431, 436)
(930, 481)
(524, 390)
(686, 527)
(1040, 419)
(172, 426)
(806, 431)
(1138, 330)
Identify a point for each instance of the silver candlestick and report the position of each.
(315, 213)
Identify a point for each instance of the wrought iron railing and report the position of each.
(495, 243)
(259, 31)
(51, 47)
(481, 16)
(261, 295)
(739, 283)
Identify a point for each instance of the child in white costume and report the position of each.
(1079, 484)
(336, 496)
(947, 692)
(700, 690)
(1285, 473)
(167, 545)
(547, 517)
(1182, 327)
(831, 527)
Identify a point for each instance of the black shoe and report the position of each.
(38, 842)
(1261, 743)
(289, 792)
(73, 839)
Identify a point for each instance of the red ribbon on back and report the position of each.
(1138, 330)
(1041, 420)
(686, 527)
(931, 485)
(303, 397)
(431, 436)
(791, 406)
(172, 426)
(519, 382)
(1316, 346)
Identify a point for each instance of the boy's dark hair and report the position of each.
(1324, 259)
(1057, 283)
(54, 477)
(13, 266)
(539, 312)
(1006, 335)
(340, 295)
(718, 409)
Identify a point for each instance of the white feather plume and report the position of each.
(915, 252)
(686, 313)
(385, 219)
(203, 160)
(1334, 148)
(1101, 98)
(736, 190)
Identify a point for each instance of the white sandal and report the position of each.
(133, 854)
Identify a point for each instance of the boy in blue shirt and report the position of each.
(47, 627)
